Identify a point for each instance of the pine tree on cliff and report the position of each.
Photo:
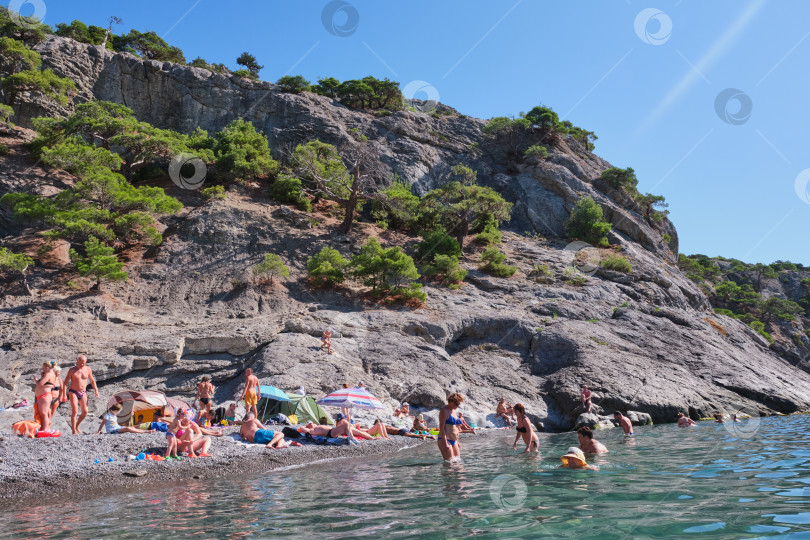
(100, 263)
(113, 20)
(339, 179)
(462, 205)
(249, 62)
(16, 263)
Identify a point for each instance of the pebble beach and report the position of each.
(52, 468)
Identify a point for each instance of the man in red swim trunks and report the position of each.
(76, 384)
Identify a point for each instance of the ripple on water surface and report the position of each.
(665, 482)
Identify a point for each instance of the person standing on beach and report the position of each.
(205, 392)
(76, 384)
(345, 410)
(251, 394)
(449, 427)
(588, 444)
(585, 396)
(43, 394)
(58, 393)
(625, 422)
(525, 428)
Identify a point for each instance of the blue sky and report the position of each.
(645, 77)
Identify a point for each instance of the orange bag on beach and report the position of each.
(26, 428)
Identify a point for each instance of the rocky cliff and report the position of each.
(645, 341)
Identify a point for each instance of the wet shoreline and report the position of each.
(43, 470)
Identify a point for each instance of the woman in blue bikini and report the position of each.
(449, 428)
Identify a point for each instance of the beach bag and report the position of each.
(25, 428)
(291, 433)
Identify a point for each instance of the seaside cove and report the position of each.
(715, 480)
(242, 300)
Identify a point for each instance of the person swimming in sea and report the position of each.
(525, 429)
(575, 459)
(624, 422)
(449, 428)
(685, 421)
(588, 444)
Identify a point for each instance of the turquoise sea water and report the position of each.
(713, 481)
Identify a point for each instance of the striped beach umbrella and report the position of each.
(359, 398)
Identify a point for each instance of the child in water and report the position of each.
(575, 459)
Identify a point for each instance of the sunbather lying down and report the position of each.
(343, 427)
(254, 431)
(379, 428)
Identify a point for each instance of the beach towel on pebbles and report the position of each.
(333, 441)
(235, 437)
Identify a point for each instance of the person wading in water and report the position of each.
(449, 428)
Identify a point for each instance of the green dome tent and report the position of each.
(303, 407)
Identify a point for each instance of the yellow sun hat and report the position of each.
(575, 457)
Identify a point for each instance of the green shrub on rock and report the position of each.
(6, 113)
(759, 328)
(288, 189)
(437, 242)
(149, 46)
(587, 223)
(621, 178)
(271, 266)
(242, 153)
(536, 152)
(327, 267)
(462, 206)
(45, 82)
(490, 236)
(99, 262)
(16, 57)
(447, 269)
(78, 158)
(399, 210)
(388, 271)
(493, 263)
(293, 84)
(213, 192)
(616, 263)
